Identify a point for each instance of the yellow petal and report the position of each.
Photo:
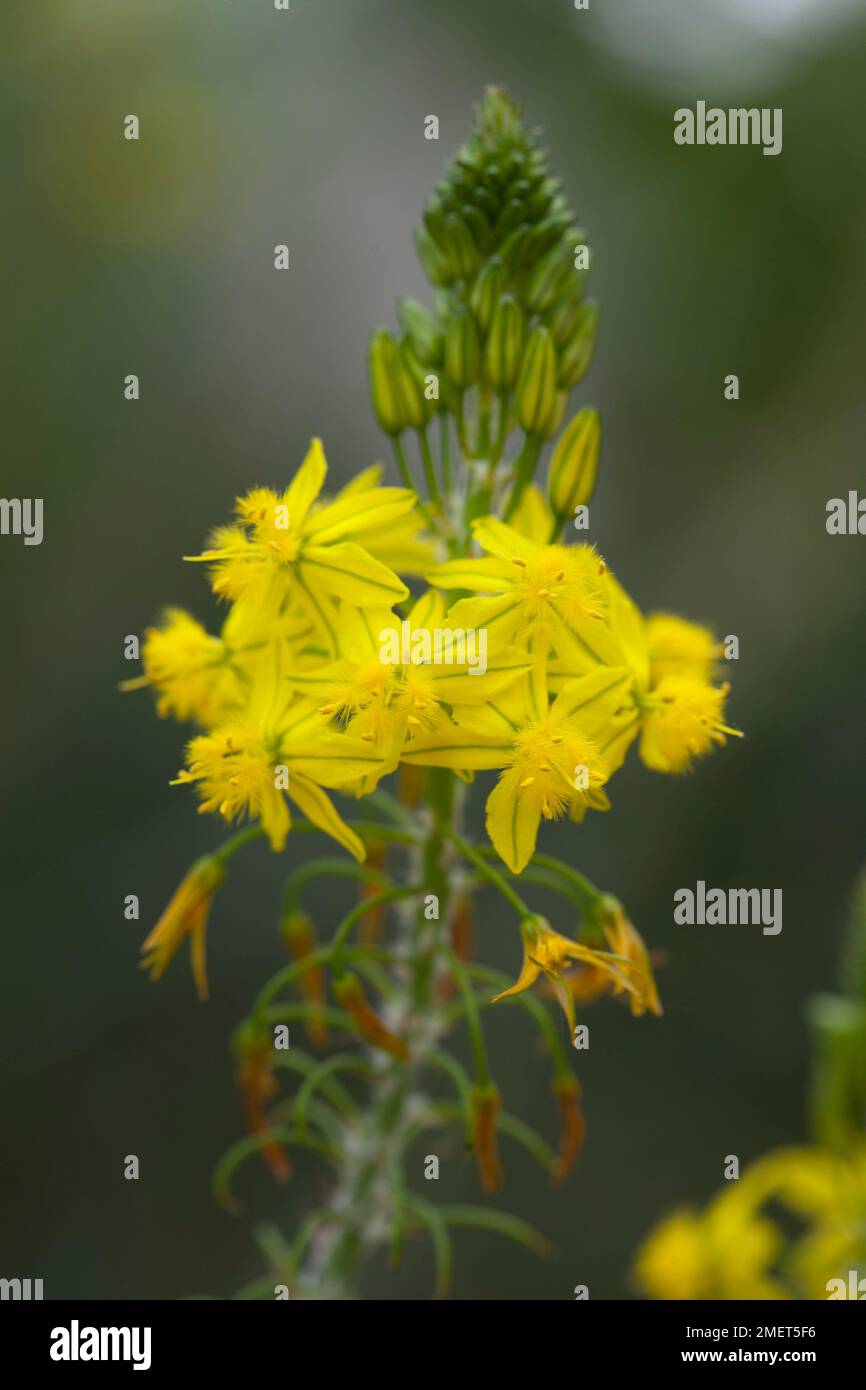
(374, 507)
(594, 699)
(512, 824)
(487, 575)
(458, 687)
(500, 614)
(275, 818)
(367, 478)
(333, 760)
(351, 574)
(533, 517)
(306, 484)
(456, 748)
(428, 610)
(629, 628)
(498, 538)
(318, 807)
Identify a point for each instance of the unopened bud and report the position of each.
(486, 291)
(386, 383)
(504, 349)
(574, 466)
(462, 349)
(547, 278)
(535, 397)
(435, 264)
(411, 378)
(463, 251)
(577, 354)
(564, 317)
(422, 329)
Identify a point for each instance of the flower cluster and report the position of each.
(304, 691)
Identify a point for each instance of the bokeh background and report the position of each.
(157, 258)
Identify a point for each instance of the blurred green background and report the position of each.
(157, 258)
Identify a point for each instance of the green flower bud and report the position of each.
(535, 397)
(574, 466)
(412, 383)
(564, 316)
(546, 234)
(505, 345)
(479, 226)
(436, 267)
(577, 353)
(547, 278)
(464, 252)
(486, 291)
(557, 415)
(437, 227)
(422, 328)
(515, 247)
(462, 349)
(387, 383)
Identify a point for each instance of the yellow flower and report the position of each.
(737, 1248)
(388, 687)
(284, 549)
(196, 676)
(552, 596)
(273, 749)
(554, 756)
(185, 915)
(636, 979)
(678, 647)
(683, 720)
(546, 952)
(724, 1252)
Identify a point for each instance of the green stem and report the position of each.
(429, 467)
(445, 452)
(236, 842)
(388, 895)
(524, 469)
(491, 874)
(473, 1020)
(406, 475)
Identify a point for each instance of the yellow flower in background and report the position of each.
(186, 915)
(791, 1225)
(724, 1252)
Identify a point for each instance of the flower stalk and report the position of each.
(436, 633)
